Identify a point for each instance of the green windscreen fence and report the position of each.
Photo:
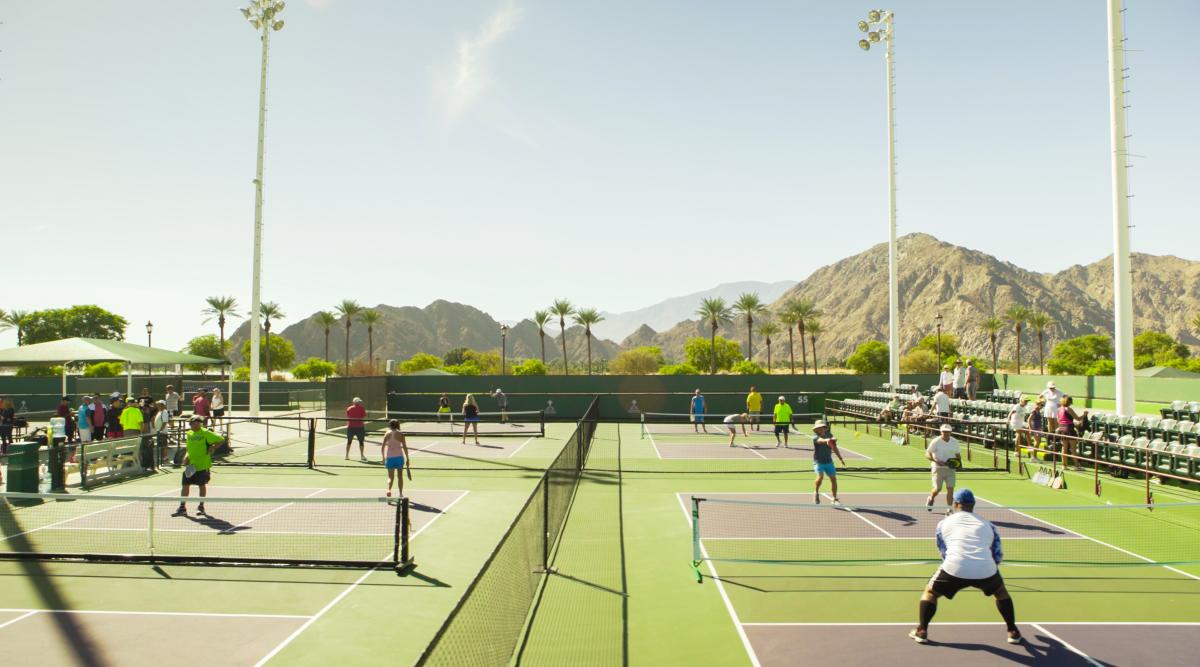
(339, 392)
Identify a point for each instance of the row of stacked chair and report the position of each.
(1183, 431)
(1182, 410)
(1009, 396)
(1144, 453)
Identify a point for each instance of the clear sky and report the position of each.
(615, 153)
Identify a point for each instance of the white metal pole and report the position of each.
(255, 299)
(1122, 288)
(893, 287)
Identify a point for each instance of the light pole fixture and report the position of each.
(938, 319)
(503, 347)
(149, 343)
(1122, 268)
(263, 16)
(879, 27)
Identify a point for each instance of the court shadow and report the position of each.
(1048, 652)
(222, 526)
(901, 517)
(1029, 527)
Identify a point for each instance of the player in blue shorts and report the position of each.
(824, 447)
(394, 449)
(696, 410)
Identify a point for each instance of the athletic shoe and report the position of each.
(929, 506)
(817, 498)
(837, 503)
(200, 509)
(949, 511)
(363, 459)
(1014, 637)
(180, 511)
(919, 636)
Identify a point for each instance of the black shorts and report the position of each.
(948, 585)
(359, 432)
(198, 477)
(781, 428)
(219, 412)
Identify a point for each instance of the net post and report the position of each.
(405, 531)
(1095, 468)
(546, 522)
(150, 529)
(312, 443)
(696, 556)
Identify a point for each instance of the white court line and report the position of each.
(19, 618)
(869, 522)
(76, 518)
(1067, 646)
(737, 622)
(152, 613)
(256, 532)
(1106, 544)
(824, 624)
(267, 513)
(654, 445)
(288, 640)
(527, 441)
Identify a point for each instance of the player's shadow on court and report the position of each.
(1029, 527)
(222, 526)
(1036, 650)
(901, 517)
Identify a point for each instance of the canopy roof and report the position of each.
(94, 350)
(1165, 372)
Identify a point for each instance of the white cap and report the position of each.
(357, 400)
(946, 428)
(1050, 384)
(782, 398)
(820, 424)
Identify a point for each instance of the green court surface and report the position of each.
(622, 589)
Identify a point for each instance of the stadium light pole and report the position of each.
(879, 28)
(261, 15)
(1122, 268)
(149, 343)
(503, 347)
(938, 319)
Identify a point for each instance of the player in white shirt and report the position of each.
(971, 554)
(941, 403)
(945, 456)
(1053, 398)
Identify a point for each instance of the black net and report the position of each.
(333, 531)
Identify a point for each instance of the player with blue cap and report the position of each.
(971, 555)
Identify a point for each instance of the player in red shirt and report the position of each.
(356, 428)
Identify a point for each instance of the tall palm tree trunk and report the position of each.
(588, 333)
(792, 351)
(812, 340)
(995, 366)
(542, 340)
(1041, 349)
(803, 350)
(347, 346)
(371, 347)
(267, 351)
(221, 327)
(712, 350)
(326, 344)
(768, 355)
(749, 337)
(562, 328)
(1018, 351)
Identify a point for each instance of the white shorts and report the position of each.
(85, 435)
(943, 475)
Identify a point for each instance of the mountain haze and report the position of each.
(668, 313)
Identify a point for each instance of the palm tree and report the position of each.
(788, 318)
(814, 328)
(326, 319)
(563, 309)
(748, 305)
(370, 318)
(768, 329)
(715, 312)
(541, 318)
(805, 310)
(14, 318)
(1039, 322)
(587, 317)
(1017, 316)
(347, 309)
(992, 326)
(220, 307)
(269, 309)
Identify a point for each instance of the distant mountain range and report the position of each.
(965, 286)
(666, 314)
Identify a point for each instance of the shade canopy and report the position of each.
(1165, 372)
(96, 350)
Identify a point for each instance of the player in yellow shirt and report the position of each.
(753, 406)
(783, 420)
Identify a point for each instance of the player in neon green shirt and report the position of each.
(753, 406)
(132, 419)
(783, 420)
(198, 462)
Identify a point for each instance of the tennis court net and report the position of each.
(773, 531)
(665, 424)
(329, 531)
(524, 423)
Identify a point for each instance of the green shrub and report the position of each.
(699, 351)
(419, 362)
(747, 367)
(314, 368)
(107, 369)
(529, 367)
(870, 357)
(467, 367)
(241, 374)
(38, 371)
(678, 369)
(638, 361)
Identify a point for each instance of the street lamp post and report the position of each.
(262, 15)
(150, 343)
(938, 319)
(503, 347)
(879, 27)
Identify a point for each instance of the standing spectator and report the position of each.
(783, 420)
(8, 418)
(200, 406)
(356, 427)
(144, 398)
(1037, 422)
(217, 406)
(114, 428)
(83, 419)
(1067, 426)
(99, 416)
(946, 380)
(941, 403)
(960, 379)
(470, 415)
(753, 406)
(501, 404)
(1016, 422)
(696, 411)
(973, 378)
(160, 424)
(64, 410)
(172, 401)
(1053, 398)
(131, 420)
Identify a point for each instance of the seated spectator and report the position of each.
(891, 412)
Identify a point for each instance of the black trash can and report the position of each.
(23, 467)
